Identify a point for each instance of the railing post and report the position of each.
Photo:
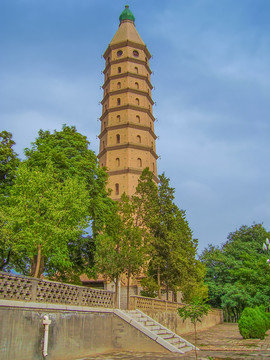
(131, 303)
(34, 290)
(80, 296)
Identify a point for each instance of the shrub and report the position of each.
(266, 316)
(253, 323)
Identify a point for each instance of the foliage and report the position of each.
(43, 213)
(237, 273)
(120, 249)
(9, 162)
(194, 311)
(134, 249)
(68, 153)
(8, 165)
(171, 249)
(254, 323)
(10, 256)
(108, 256)
(81, 255)
(150, 287)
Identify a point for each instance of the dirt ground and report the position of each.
(222, 341)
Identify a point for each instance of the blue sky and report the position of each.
(212, 92)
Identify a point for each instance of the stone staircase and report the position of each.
(156, 331)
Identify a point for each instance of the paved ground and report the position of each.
(222, 341)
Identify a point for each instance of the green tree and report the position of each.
(120, 249)
(171, 247)
(194, 312)
(67, 151)
(134, 249)
(237, 273)
(109, 249)
(69, 154)
(9, 162)
(44, 213)
(8, 165)
(146, 217)
(145, 201)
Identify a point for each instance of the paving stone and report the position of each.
(221, 342)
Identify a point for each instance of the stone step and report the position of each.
(186, 348)
(167, 336)
(175, 340)
(140, 319)
(181, 344)
(135, 315)
(164, 334)
(160, 331)
(153, 327)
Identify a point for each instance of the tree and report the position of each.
(195, 312)
(134, 247)
(10, 256)
(109, 245)
(8, 165)
(44, 213)
(67, 151)
(171, 247)
(9, 162)
(120, 249)
(237, 273)
(145, 201)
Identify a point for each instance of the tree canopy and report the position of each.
(171, 248)
(55, 193)
(44, 214)
(69, 154)
(120, 250)
(237, 273)
(9, 162)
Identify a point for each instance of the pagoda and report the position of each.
(127, 137)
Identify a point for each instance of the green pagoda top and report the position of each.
(126, 15)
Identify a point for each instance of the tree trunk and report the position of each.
(116, 293)
(195, 340)
(38, 262)
(158, 282)
(5, 261)
(128, 278)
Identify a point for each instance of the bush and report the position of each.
(266, 316)
(254, 323)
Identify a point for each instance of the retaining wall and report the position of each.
(165, 312)
(75, 332)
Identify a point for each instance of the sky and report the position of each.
(211, 79)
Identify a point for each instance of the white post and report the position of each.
(46, 323)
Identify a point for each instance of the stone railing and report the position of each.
(17, 287)
(144, 303)
(165, 312)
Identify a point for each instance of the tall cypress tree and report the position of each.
(172, 265)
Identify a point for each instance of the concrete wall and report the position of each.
(74, 332)
(172, 321)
